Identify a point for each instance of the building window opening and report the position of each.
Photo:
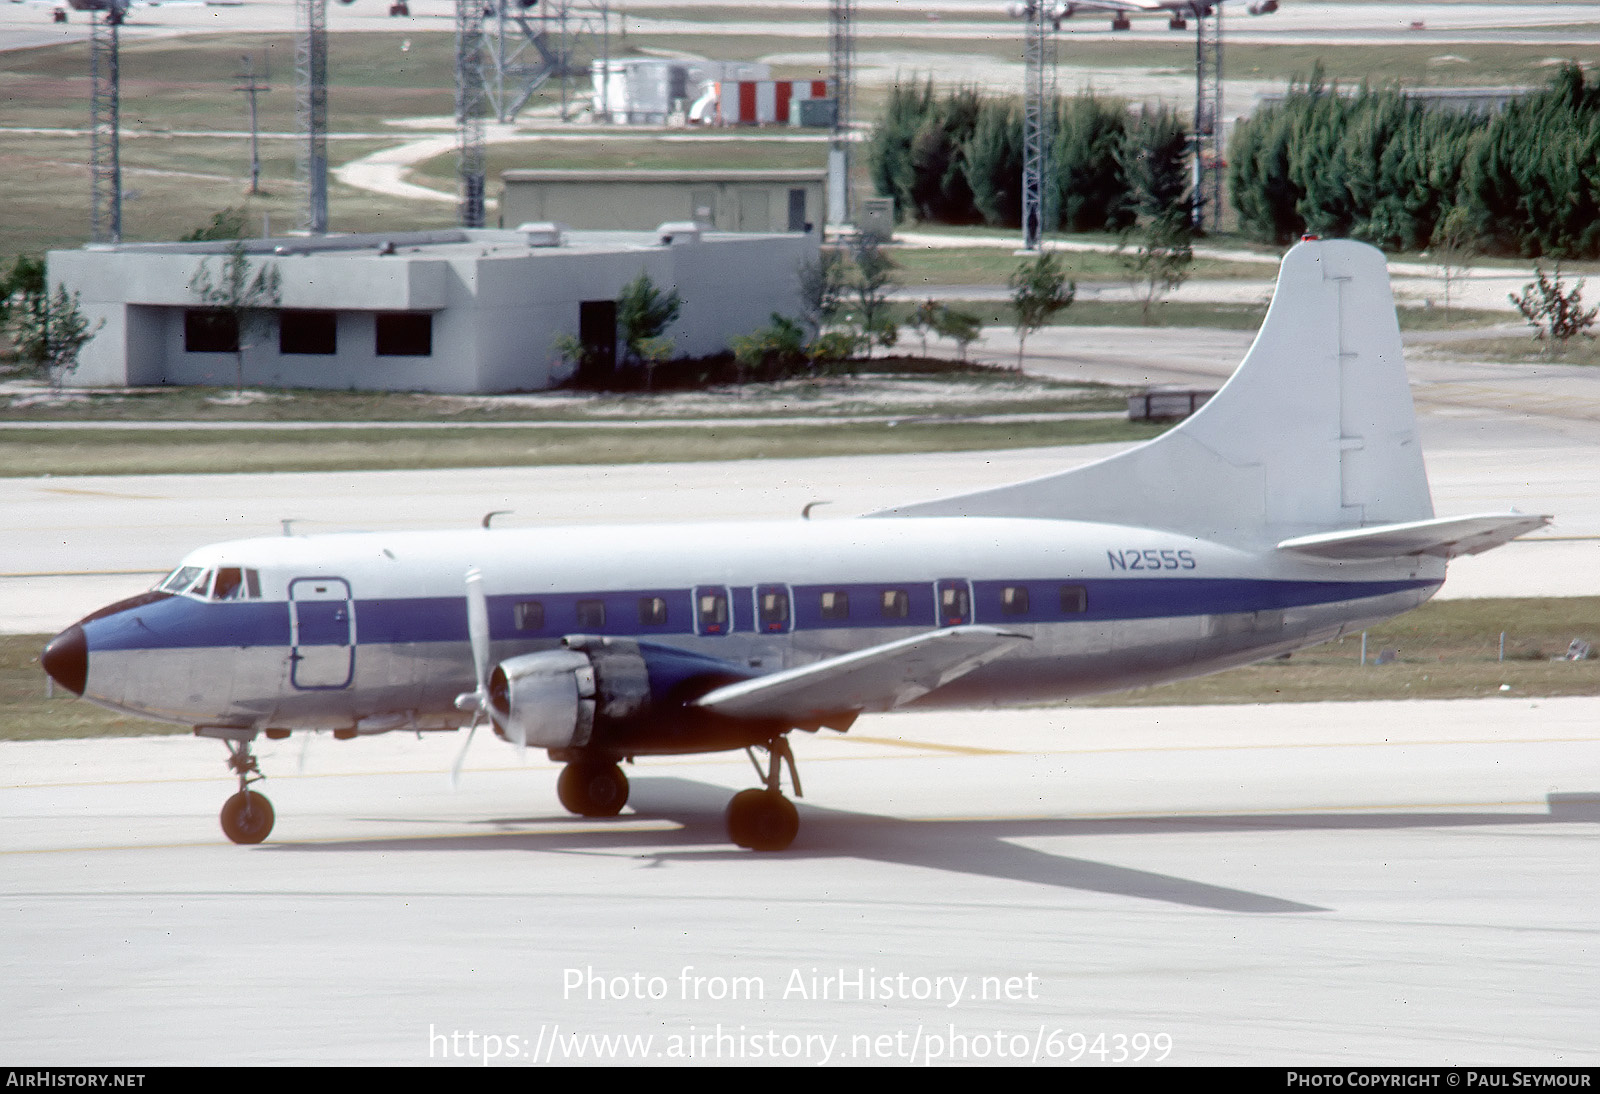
(308, 332)
(210, 330)
(404, 334)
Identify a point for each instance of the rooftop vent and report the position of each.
(541, 233)
(678, 231)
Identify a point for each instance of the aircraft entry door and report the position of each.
(322, 633)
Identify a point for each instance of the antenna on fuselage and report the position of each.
(288, 523)
(491, 514)
(805, 514)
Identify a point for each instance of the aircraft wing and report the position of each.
(1446, 537)
(875, 679)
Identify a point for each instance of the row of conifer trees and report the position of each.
(956, 158)
(1385, 168)
(1373, 165)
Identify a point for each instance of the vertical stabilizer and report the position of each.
(1314, 431)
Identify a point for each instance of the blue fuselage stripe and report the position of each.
(179, 622)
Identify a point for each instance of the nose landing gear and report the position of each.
(246, 817)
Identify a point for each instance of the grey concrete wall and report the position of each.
(496, 309)
(643, 204)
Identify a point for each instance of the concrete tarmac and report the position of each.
(1330, 884)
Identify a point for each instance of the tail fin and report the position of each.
(1313, 433)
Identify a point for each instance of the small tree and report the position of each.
(1556, 314)
(824, 283)
(51, 336)
(654, 352)
(1039, 289)
(569, 349)
(1160, 261)
(776, 350)
(643, 313)
(243, 303)
(225, 224)
(871, 283)
(925, 318)
(1455, 244)
(960, 327)
(1155, 162)
(24, 299)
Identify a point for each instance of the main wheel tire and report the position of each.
(247, 817)
(762, 820)
(593, 790)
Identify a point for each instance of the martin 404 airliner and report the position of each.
(1291, 509)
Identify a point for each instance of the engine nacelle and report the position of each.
(548, 699)
(1265, 7)
(595, 688)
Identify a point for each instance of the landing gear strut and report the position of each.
(593, 789)
(763, 819)
(247, 816)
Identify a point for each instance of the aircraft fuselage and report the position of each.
(369, 632)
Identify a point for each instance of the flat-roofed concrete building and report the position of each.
(456, 311)
(728, 199)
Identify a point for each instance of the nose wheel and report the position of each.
(246, 817)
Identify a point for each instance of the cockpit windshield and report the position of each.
(179, 580)
(224, 583)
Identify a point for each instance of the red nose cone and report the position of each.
(66, 659)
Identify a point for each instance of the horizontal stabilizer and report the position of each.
(1446, 537)
(875, 679)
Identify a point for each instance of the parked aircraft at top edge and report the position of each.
(1176, 11)
(1292, 508)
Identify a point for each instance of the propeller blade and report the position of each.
(461, 757)
(478, 631)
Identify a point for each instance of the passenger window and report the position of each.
(713, 609)
(592, 614)
(774, 609)
(835, 605)
(1014, 600)
(896, 604)
(652, 611)
(955, 603)
(1074, 599)
(529, 615)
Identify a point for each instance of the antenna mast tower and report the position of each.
(472, 93)
(311, 111)
(841, 57)
(1039, 99)
(105, 99)
(1208, 151)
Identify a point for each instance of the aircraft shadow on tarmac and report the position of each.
(975, 847)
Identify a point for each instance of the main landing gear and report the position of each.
(592, 789)
(763, 819)
(247, 816)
